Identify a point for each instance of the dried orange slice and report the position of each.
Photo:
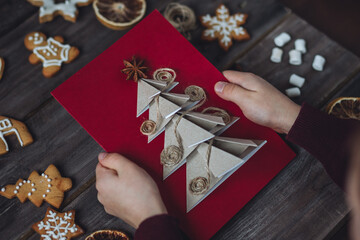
(107, 235)
(119, 14)
(345, 107)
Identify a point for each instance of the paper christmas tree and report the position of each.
(191, 137)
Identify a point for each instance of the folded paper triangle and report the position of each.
(145, 95)
(191, 135)
(222, 164)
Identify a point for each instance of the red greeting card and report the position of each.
(104, 103)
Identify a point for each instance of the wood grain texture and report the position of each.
(319, 85)
(59, 140)
(301, 202)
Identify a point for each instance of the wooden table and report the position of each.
(301, 202)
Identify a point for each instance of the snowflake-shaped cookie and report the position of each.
(224, 27)
(50, 9)
(59, 226)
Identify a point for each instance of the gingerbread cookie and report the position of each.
(9, 126)
(2, 65)
(50, 9)
(224, 27)
(49, 187)
(51, 52)
(56, 225)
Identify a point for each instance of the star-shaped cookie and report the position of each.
(49, 187)
(56, 225)
(224, 27)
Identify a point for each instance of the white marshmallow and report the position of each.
(282, 39)
(293, 92)
(276, 55)
(318, 63)
(295, 57)
(296, 80)
(300, 45)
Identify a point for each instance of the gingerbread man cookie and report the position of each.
(50, 9)
(2, 65)
(51, 52)
(9, 126)
(49, 187)
(224, 27)
(59, 226)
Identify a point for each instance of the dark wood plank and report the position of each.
(319, 85)
(301, 202)
(58, 140)
(23, 88)
(263, 16)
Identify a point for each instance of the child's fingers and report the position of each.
(113, 161)
(246, 80)
(231, 92)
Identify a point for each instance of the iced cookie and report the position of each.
(224, 27)
(51, 52)
(2, 65)
(9, 126)
(52, 8)
(56, 225)
(49, 187)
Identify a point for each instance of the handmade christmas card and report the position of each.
(150, 97)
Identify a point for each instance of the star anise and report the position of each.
(134, 69)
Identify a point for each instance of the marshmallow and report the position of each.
(300, 45)
(296, 80)
(282, 39)
(293, 92)
(276, 55)
(318, 63)
(295, 57)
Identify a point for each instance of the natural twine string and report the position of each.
(172, 154)
(218, 112)
(181, 17)
(167, 75)
(200, 185)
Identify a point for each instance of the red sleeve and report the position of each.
(159, 227)
(325, 137)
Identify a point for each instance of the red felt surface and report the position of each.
(100, 99)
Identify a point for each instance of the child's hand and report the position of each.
(126, 190)
(259, 100)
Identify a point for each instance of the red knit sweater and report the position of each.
(322, 135)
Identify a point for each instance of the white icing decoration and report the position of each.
(46, 176)
(20, 184)
(54, 59)
(44, 195)
(43, 174)
(48, 190)
(28, 181)
(49, 180)
(68, 8)
(6, 124)
(33, 189)
(17, 187)
(224, 24)
(282, 39)
(57, 227)
(36, 34)
(29, 194)
(49, 185)
(15, 191)
(24, 181)
(33, 184)
(30, 38)
(3, 189)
